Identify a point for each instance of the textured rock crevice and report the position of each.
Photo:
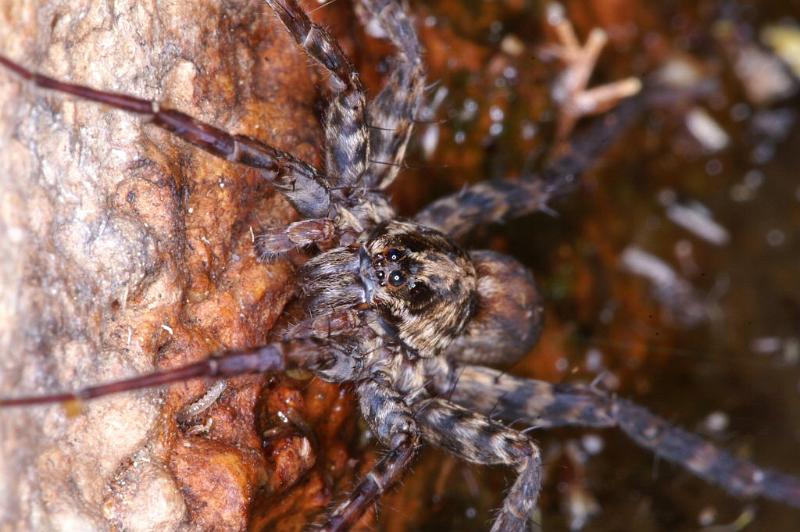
(126, 250)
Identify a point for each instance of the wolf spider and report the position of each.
(397, 307)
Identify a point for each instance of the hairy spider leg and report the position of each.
(547, 405)
(303, 185)
(268, 359)
(393, 111)
(383, 475)
(276, 242)
(345, 124)
(504, 199)
(478, 439)
(394, 425)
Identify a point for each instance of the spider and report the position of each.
(397, 307)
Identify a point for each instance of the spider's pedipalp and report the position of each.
(547, 405)
(346, 135)
(337, 323)
(274, 243)
(476, 438)
(330, 282)
(393, 111)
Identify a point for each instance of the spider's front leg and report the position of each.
(476, 438)
(346, 136)
(303, 185)
(393, 111)
(270, 358)
(546, 405)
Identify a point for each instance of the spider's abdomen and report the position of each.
(509, 314)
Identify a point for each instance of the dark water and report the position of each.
(721, 357)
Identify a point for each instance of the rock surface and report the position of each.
(126, 250)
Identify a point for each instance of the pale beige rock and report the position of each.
(121, 249)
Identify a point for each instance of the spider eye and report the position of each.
(394, 254)
(420, 294)
(380, 275)
(396, 278)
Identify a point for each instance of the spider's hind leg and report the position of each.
(546, 405)
(392, 422)
(501, 200)
(476, 438)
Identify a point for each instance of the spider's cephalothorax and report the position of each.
(397, 308)
(422, 285)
